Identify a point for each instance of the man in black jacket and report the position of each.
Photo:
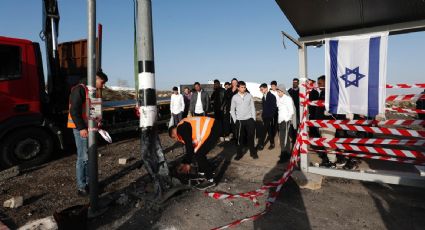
(268, 115)
(77, 120)
(228, 124)
(217, 98)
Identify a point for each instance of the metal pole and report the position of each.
(151, 150)
(91, 85)
(302, 71)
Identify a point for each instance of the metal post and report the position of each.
(91, 85)
(302, 72)
(151, 150)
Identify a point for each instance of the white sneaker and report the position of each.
(227, 138)
(222, 139)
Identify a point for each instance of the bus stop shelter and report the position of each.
(315, 21)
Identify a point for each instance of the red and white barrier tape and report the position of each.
(388, 131)
(375, 122)
(405, 86)
(370, 149)
(375, 157)
(407, 97)
(370, 141)
(401, 110)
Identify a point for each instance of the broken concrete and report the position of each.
(14, 202)
(307, 180)
(47, 223)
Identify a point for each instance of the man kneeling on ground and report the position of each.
(199, 135)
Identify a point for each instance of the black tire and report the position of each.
(27, 147)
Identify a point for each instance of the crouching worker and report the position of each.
(199, 135)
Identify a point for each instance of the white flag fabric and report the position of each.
(356, 69)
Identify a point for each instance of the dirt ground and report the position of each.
(339, 204)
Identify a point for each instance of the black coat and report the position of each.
(269, 106)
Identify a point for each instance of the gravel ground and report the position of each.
(340, 204)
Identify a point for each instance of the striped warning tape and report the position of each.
(376, 157)
(402, 110)
(405, 86)
(370, 141)
(374, 122)
(381, 130)
(370, 149)
(407, 97)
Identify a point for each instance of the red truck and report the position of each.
(32, 115)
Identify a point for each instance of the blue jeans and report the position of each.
(82, 158)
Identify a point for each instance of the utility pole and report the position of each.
(92, 125)
(150, 146)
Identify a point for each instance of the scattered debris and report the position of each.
(14, 202)
(47, 223)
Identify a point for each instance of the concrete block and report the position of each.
(14, 202)
(123, 161)
(307, 180)
(47, 223)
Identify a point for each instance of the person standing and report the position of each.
(295, 94)
(77, 121)
(227, 85)
(273, 88)
(286, 119)
(314, 95)
(187, 96)
(228, 124)
(217, 97)
(268, 115)
(242, 110)
(176, 106)
(199, 105)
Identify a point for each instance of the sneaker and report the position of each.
(260, 147)
(271, 146)
(327, 164)
(205, 185)
(227, 139)
(254, 155)
(341, 162)
(82, 192)
(221, 139)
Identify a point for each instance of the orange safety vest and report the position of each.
(201, 130)
(71, 123)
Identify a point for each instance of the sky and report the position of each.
(201, 40)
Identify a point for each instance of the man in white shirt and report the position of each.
(199, 105)
(286, 118)
(177, 106)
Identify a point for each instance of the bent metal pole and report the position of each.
(151, 150)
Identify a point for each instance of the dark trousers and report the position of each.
(270, 128)
(245, 135)
(201, 155)
(228, 125)
(218, 116)
(177, 118)
(285, 140)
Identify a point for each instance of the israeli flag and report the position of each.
(356, 69)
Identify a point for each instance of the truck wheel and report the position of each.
(29, 147)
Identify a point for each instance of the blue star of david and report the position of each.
(354, 82)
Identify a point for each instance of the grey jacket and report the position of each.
(242, 108)
(205, 98)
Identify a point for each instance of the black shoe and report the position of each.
(82, 192)
(254, 155)
(341, 162)
(327, 164)
(238, 157)
(205, 185)
(260, 147)
(351, 165)
(271, 146)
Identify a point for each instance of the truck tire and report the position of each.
(26, 147)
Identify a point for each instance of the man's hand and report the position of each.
(84, 133)
(184, 168)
